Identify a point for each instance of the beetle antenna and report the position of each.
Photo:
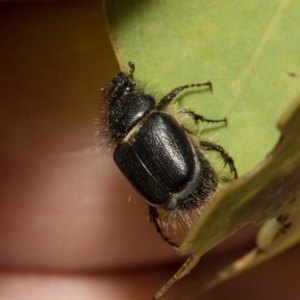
(132, 69)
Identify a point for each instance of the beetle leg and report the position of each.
(225, 156)
(153, 217)
(198, 118)
(167, 99)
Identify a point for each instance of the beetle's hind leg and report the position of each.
(153, 217)
(228, 160)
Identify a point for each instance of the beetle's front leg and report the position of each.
(167, 99)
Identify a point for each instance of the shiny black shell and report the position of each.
(154, 151)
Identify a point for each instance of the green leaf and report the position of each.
(271, 190)
(268, 191)
(249, 50)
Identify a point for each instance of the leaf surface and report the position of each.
(249, 50)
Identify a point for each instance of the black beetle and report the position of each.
(162, 159)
